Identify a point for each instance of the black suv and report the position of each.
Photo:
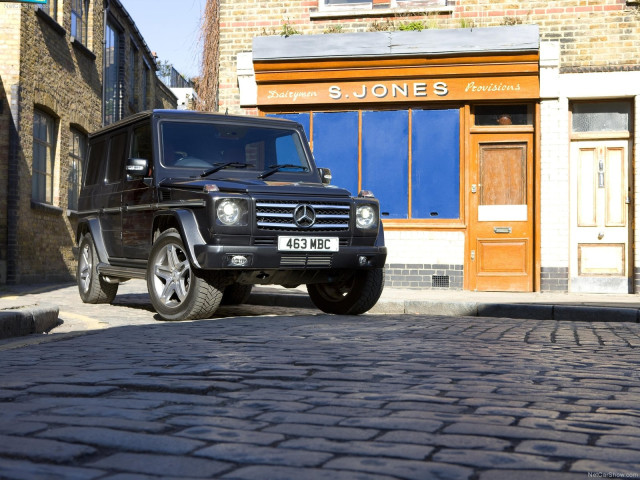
(204, 206)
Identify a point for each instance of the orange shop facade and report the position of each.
(440, 125)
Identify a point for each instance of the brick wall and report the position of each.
(43, 67)
(62, 79)
(587, 30)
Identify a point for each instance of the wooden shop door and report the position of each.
(501, 219)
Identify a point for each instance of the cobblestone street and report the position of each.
(324, 397)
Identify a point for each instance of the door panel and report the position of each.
(600, 245)
(501, 213)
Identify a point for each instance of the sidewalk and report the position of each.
(540, 306)
(21, 317)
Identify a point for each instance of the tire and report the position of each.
(177, 290)
(353, 296)
(92, 287)
(236, 294)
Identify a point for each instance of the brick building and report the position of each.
(66, 68)
(500, 136)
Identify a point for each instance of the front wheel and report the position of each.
(177, 291)
(353, 295)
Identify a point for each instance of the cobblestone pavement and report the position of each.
(322, 397)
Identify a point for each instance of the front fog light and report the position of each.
(229, 211)
(365, 216)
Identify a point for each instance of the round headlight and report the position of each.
(228, 212)
(365, 216)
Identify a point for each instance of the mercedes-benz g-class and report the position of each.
(203, 206)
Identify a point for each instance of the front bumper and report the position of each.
(216, 257)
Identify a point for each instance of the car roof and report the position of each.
(194, 115)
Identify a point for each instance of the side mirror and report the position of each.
(325, 175)
(137, 168)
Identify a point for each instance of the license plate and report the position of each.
(308, 244)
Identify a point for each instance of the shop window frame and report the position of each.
(412, 223)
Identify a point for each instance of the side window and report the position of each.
(141, 143)
(117, 154)
(96, 159)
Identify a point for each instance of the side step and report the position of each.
(121, 272)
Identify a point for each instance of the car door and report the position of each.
(138, 199)
(110, 213)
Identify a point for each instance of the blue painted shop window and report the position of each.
(335, 146)
(435, 162)
(302, 118)
(385, 160)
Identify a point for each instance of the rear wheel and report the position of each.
(92, 287)
(236, 294)
(353, 295)
(176, 289)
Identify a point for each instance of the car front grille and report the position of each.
(279, 215)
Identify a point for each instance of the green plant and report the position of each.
(288, 30)
(415, 26)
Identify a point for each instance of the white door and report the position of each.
(600, 207)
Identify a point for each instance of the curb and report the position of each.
(531, 311)
(27, 319)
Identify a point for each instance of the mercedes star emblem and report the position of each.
(304, 216)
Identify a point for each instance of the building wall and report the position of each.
(43, 67)
(586, 30)
(63, 79)
(577, 40)
(9, 73)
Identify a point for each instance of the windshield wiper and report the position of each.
(219, 166)
(277, 168)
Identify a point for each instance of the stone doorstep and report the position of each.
(22, 320)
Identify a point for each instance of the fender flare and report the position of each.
(188, 229)
(380, 238)
(92, 226)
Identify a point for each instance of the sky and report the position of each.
(171, 29)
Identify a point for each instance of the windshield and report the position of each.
(212, 147)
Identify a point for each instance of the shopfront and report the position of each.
(440, 125)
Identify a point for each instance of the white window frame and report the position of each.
(368, 5)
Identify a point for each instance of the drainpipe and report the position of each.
(104, 60)
(13, 186)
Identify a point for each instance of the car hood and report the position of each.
(256, 186)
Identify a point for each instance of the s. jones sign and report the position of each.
(399, 91)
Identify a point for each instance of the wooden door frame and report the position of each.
(469, 130)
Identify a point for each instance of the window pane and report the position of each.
(117, 153)
(385, 163)
(601, 117)
(96, 156)
(435, 164)
(488, 115)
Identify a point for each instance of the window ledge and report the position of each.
(80, 46)
(377, 12)
(47, 208)
(59, 29)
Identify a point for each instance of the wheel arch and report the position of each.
(92, 225)
(184, 221)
